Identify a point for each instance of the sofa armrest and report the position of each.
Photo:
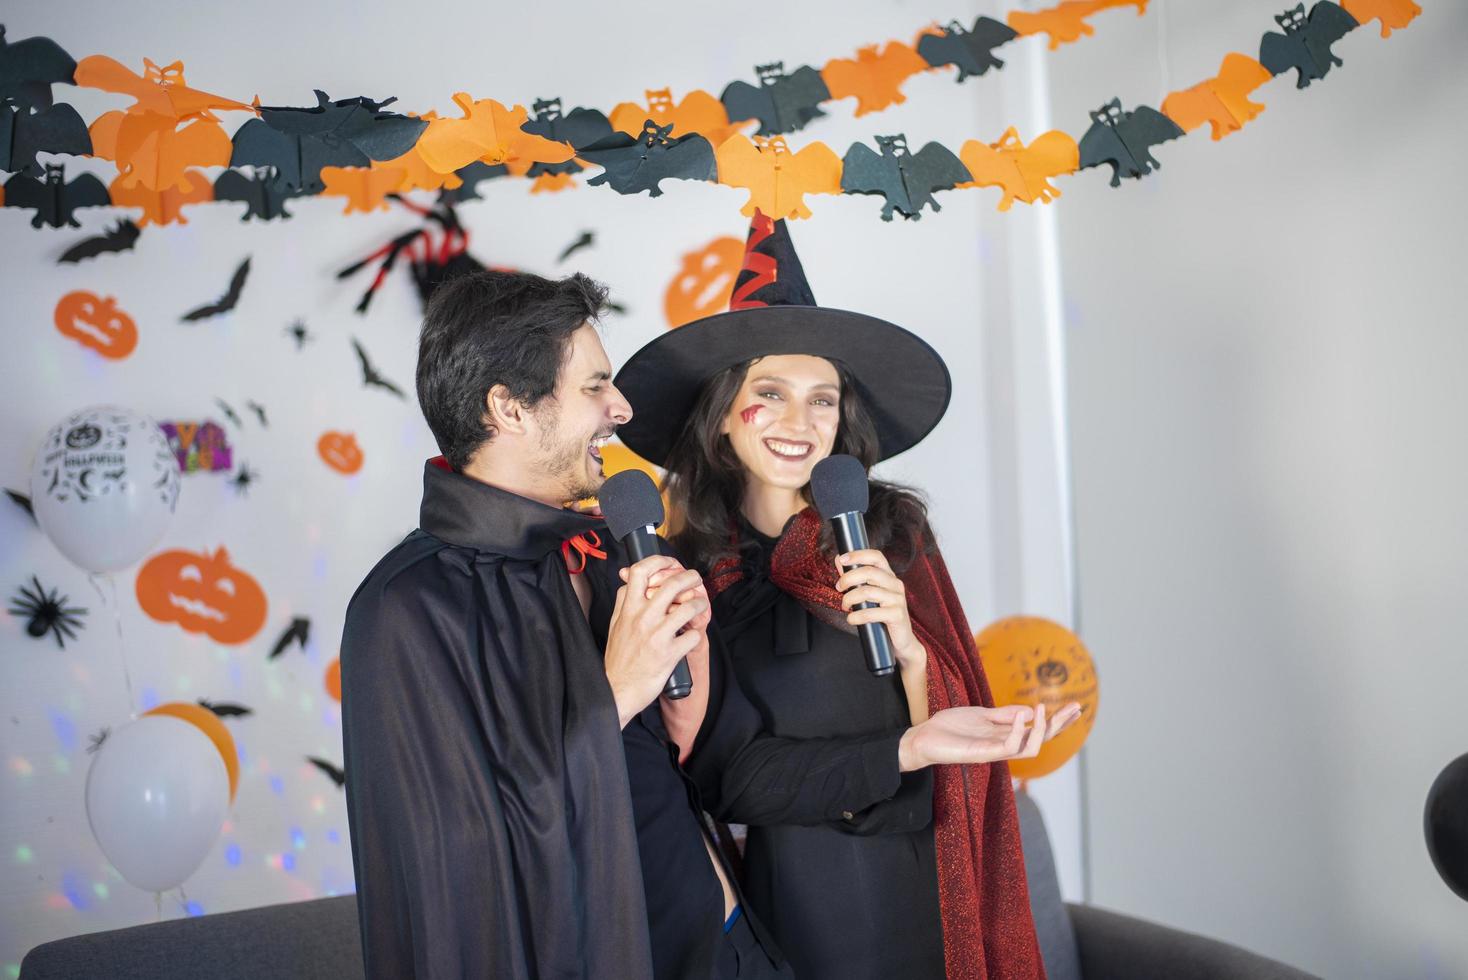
(1119, 947)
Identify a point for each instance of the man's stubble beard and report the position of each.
(563, 459)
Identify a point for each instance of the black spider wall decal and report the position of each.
(48, 612)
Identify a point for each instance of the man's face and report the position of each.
(572, 425)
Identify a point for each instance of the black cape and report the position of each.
(487, 794)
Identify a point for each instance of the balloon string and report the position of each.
(158, 904)
(127, 677)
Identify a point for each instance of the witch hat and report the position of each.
(903, 382)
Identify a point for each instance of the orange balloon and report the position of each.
(334, 680)
(1033, 661)
(616, 457)
(208, 723)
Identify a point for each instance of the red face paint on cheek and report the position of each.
(749, 413)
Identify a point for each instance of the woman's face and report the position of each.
(783, 419)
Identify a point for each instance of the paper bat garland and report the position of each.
(631, 165)
(579, 128)
(299, 141)
(873, 78)
(1125, 139)
(904, 179)
(1066, 22)
(1222, 100)
(1305, 43)
(776, 178)
(30, 122)
(697, 112)
(1023, 172)
(782, 103)
(972, 51)
(166, 206)
(264, 194)
(54, 197)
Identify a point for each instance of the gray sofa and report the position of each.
(318, 940)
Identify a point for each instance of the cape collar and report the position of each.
(463, 511)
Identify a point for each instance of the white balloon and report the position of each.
(104, 485)
(157, 794)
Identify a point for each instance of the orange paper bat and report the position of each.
(146, 141)
(1394, 14)
(490, 133)
(417, 174)
(1066, 22)
(777, 180)
(875, 80)
(1223, 100)
(365, 188)
(552, 183)
(166, 206)
(1023, 172)
(696, 112)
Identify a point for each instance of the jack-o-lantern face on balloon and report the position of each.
(340, 451)
(97, 323)
(703, 285)
(202, 593)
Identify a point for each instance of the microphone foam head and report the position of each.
(839, 484)
(629, 500)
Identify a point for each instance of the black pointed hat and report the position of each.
(903, 382)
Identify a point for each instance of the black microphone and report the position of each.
(634, 509)
(839, 484)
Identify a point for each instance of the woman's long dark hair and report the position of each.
(706, 482)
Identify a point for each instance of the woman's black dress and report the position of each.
(857, 897)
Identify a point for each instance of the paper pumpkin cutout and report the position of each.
(333, 679)
(697, 112)
(340, 451)
(1222, 100)
(704, 282)
(202, 593)
(1393, 14)
(365, 189)
(1033, 661)
(163, 207)
(210, 724)
(488, 133)
(1066, 22)
(1023, 172)
(97, 323)
(874, 79)
(146, 141)
(777, 179)
(1125, 139)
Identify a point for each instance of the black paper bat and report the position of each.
(370, 377)
(264, 194)
(298, 631)
(579, 127)
(585, 240)
(226, 302)
(471, 175)
(1125, 139)
(119, 238)
(23, 134)
(782, 103)
(633, 164)
(22, 501)
(906, 180)
(337, 776)
(1305, 43)
(225, 709)
(259, 411)
(972, 51)
(299, 140)
(28, 69)
(229, 412)
(54, 197)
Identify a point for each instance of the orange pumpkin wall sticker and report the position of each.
(340, 451)
(333, 679)
(704, 282)
(97, 323)
(1034, 661)
(202, 593)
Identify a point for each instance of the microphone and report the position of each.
(839, 485)
(634, 509)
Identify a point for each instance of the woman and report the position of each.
(739, 408)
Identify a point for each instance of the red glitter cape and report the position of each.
(988, 932)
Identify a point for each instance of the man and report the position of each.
(500, 827)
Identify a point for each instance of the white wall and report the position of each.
(1266, 344)
(309, 535)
